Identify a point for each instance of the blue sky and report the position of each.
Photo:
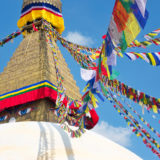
(85, 22)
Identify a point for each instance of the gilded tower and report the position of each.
(28, 85)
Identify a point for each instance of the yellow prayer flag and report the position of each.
(84, 90)
(132, 29)
(137, 42)
(120, 54)
(131, 97)
(139, 55)
(147, 42)
(104, 60)
(87, 110)
(93, 56)
(152, 59)
(94, 101)
(152, 34)
(140, 103)
(138, 134)
(155, 110)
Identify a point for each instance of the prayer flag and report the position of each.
(151, 58)
(157, 59)
(127, 5)
(111, 60)
(108, 46)
(87, 74)
(142, 6)
(114, 33)
(141, 19)
(131, 56)
(145, 57)
(132, 29)
(120, 16)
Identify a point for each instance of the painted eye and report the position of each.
(3, 118)
(24, 111)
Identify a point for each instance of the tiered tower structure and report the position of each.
(28, 84)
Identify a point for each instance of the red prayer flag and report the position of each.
(34, 27)
(120, 16)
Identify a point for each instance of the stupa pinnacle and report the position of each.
(50, 10)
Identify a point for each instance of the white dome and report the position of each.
(47, 141)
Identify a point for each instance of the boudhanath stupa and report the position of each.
(29, 129)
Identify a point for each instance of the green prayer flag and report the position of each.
(114, 75)
(123, 43)
(127, 5)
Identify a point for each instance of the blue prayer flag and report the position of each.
(141, 19)
(108, 45)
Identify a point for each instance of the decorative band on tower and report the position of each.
(42, 10)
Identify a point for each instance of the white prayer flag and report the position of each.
(132, 56)
(87, 74)
(142, 6)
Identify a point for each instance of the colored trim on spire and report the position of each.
(27, 94)
(40, 6)
(42, 10)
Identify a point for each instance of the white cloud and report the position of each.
(119, 135)
(78, 38)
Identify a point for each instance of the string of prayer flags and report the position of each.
(132, 123)
(152, 34)
(87, 107)
(139, 116)
(76, 47)
(151, 103)
(82, 59)
(61, 109)
(136, 131)
(144, 131)
(145, 44)
(152, 58)
(59, 77)
(10, 37)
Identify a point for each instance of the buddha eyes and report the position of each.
(24, 111)
(3, 118)
(15, 113)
